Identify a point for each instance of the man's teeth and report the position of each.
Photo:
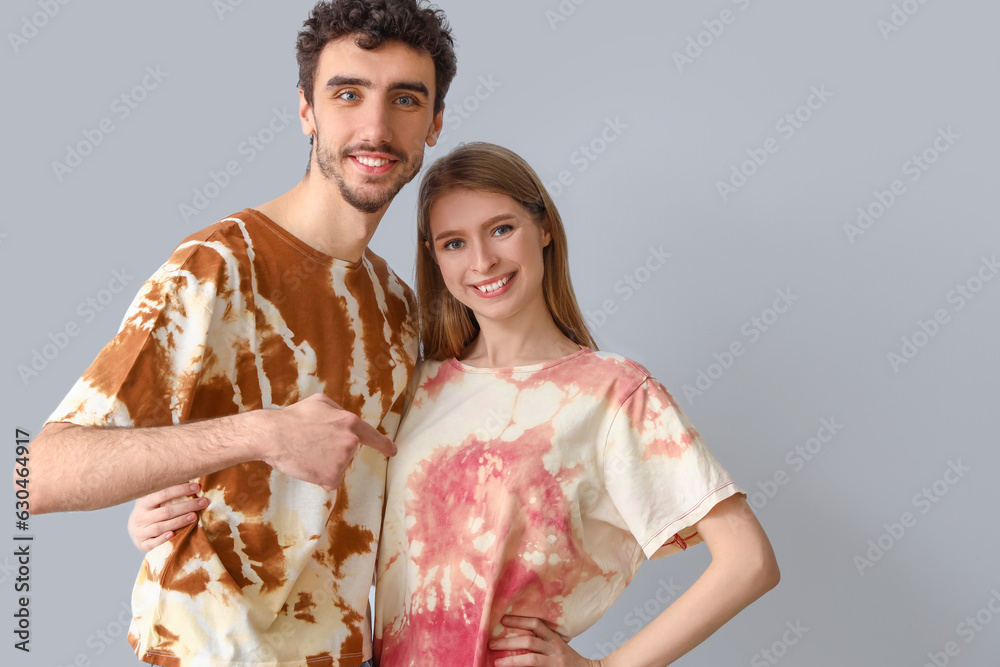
(372, 162)
(493, 286)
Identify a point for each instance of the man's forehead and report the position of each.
(388, 62)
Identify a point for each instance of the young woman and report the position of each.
(534, 473)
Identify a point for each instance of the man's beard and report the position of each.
(364, 202)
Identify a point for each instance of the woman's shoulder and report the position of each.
(597, 373)
(620, 365)
(630, 375)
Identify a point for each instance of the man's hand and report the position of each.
(315, 440)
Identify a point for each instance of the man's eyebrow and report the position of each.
(486, 223)
(348, 80)
(412, 86)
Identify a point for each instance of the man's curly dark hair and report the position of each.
(424, 29)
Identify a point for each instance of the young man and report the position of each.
(266, 359)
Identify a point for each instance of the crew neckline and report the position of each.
(301, 245)
(530, 368)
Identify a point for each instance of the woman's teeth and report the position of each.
(492, 287)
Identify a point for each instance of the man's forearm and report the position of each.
(86, 468)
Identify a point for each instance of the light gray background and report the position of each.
(554, 87)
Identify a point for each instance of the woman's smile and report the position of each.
(494, 287)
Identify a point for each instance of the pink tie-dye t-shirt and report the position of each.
(533, 491)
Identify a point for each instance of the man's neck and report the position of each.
(316, 214)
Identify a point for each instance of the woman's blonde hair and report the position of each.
(446, 326)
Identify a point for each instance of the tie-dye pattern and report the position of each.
(243, 316)
(534, 491)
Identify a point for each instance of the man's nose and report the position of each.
(375, 124)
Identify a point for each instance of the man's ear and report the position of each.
(306, 115)
(435, 130)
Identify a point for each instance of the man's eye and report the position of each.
(406, 101)
(348, 96)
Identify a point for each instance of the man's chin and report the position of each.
(367, 207)
(370, 197)
(369, 202)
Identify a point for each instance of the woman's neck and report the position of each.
(518, 343)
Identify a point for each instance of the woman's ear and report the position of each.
(427, 244)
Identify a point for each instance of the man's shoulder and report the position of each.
(231, 230)
(231, 237)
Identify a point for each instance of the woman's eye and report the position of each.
(452, 245)
(503, 229)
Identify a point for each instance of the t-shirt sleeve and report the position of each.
(147, 375)
(659, 473)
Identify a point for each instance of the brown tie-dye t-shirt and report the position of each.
(244, 316)
(532, 491)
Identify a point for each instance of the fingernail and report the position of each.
(202, 502)
(195, 487)
(189, 517)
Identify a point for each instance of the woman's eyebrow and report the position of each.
(486, 223)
